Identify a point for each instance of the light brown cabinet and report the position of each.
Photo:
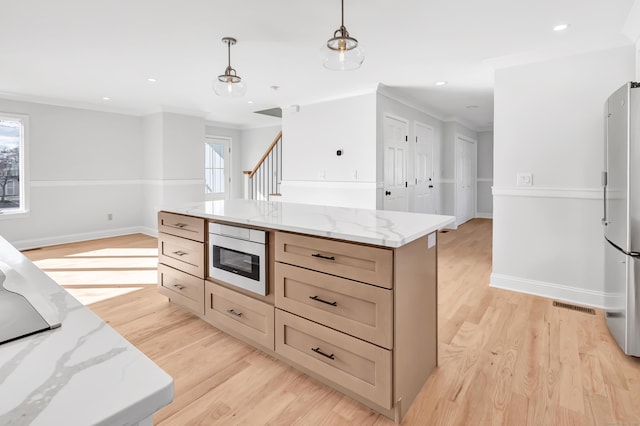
(373, 265)
(360, 318)
(236, 313)
(181, 257)
(355, 308)
(353, 363)
(182, 288)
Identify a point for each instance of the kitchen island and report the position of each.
(349, 296)
(81, 373)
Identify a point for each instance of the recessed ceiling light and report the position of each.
(151, 80)
(440, 83)
(106, 99)
(560, 27)
(249, 102)
(275, 88)
(471, 106)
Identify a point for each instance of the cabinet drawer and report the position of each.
(181, 226)
(239, 313)
(356, 365)
(361, 263)
(183, 289)
(362, 310)
(182, 254)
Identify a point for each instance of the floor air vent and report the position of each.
(590, 311)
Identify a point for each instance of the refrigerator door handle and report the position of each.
(603, 177)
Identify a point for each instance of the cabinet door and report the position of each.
(367, 264)
(181, 226)
(183, 289)
(180, 253)
(352, 363)
(361, 310)
(240, 314)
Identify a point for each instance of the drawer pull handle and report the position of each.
(180, 253)
(323, 257)
(180, 225)
(179, 286)
(232, 312)
(317, 299)
(318, 351)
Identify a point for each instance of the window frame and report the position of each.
(227, 140)
(24, 183)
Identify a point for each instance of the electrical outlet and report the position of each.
(109, 216)
(524, 179)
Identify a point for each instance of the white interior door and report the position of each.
(423, 192)
(465, 179)
(395, 164)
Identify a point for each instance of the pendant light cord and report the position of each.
(342, 13)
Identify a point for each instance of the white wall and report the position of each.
(175, 163)
(484, 198)
(83, 165)
(549, 122)
(312, 172)
(254, 144)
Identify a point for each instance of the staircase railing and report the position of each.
(263, 182)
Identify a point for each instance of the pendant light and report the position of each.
(229, 84)
(342, 52)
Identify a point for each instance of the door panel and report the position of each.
(615, 271)
(465, 180)
(423, 193)
(617, 122)
(395, 164)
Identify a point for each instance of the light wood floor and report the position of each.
(504, 357)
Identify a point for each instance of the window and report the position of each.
(216, 167)
(13, 194)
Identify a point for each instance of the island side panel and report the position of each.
(416, 319)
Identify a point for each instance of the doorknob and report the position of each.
(387, 192)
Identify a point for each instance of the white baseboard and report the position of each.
(85, 236)
(484, 215)
(575, 295)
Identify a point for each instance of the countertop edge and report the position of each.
(316, 232)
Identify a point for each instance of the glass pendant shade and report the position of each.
(342, 58)
(229, 84)
(342, 52)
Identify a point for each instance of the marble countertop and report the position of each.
(378, 227)
(82, 373)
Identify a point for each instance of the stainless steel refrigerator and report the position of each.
(621, 183)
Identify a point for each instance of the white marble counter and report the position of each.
(82, 373)
(378, 227)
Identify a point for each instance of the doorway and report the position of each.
(465, 179)
(423, 195)
(395, 164)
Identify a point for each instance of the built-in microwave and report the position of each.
(238, 256)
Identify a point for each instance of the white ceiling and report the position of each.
(75, 52)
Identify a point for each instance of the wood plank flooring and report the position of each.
(504, 357)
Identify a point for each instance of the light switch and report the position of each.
(524, 179)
